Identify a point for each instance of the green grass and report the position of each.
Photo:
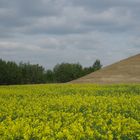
(66, 111)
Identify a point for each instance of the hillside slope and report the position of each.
(124, 71)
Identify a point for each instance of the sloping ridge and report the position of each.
(124, 71)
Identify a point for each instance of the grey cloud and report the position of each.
(39, 7)
(53, 17)
(5, 3)
(52, 31)
(105, 4)
(19, 13)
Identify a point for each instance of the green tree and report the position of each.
(26, 73)
(97, 65)
(13, 75)
(32, 73)
(3, 72)
(66, 72)
(49, 76)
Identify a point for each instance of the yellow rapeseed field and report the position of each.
(70, 112)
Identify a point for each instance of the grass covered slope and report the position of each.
(125, 71)
(70, 112)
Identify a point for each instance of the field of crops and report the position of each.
(70, 112)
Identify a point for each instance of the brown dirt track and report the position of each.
(122, 72)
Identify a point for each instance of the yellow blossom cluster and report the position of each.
(70, 112)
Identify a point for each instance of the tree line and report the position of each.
(26, 73)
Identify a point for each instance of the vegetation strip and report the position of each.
(70, 111)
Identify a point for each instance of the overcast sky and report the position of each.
(54, 31)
